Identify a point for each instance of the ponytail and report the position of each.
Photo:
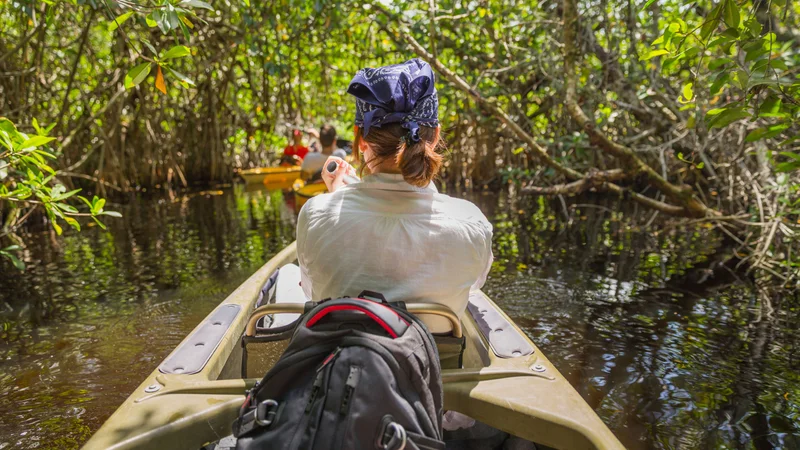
(419, 162)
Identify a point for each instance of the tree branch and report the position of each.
(683, 195)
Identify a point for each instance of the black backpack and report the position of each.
(357, 374)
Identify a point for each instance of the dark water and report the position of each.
(670, 348)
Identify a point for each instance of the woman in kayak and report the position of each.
(393, 232)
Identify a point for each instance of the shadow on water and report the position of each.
(671, 348)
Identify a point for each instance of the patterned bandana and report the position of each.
(401, 93)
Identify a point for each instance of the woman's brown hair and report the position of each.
(418, 162)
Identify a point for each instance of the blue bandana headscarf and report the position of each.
(400, 93)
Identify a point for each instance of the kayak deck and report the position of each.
(505, 382)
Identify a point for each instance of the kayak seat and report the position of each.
(271, 332)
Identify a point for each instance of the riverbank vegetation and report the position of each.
(687, 109)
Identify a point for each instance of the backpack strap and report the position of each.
(382, 314)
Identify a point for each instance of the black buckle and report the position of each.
(394, 437)
(265, 412)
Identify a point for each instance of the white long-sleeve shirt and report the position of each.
(385, 235)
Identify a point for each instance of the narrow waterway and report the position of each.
(670, 348)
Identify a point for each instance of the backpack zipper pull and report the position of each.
(329, 359)
(314, 391)
(349, 388)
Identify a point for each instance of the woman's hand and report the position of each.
(336, 179)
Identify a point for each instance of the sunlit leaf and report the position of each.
(178, 51)
(73, 223)
(150, 21)
(137, 75)
(652, 54)
(197, 4)
(687, 94)
(110, 213)
(119, 20)
(36, 141)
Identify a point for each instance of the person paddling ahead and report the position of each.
(393, 232)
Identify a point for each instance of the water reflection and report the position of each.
(655, 332)
(95, 312)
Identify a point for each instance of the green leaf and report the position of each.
(771, 107)
(110, 213)
(14, 260)
(742, 78)
(36, 141)
(718, 62)
(100, 224)
(755, 54)
(162, 18)
(56, 226)
(115, 23)
(794, 156)
(687, 93)
(85, 200)
(728, 116)
(197, 4)
(73, 223)
(137, 75)
(647, 5)
(790, 166)
(652, 54)
(247, 2)
(766, 132)
(731, 14)
(178, 51)
(150, 47)
(186, 81)
(150, 22)
(711, 23)
(98, 205)
(65, 196)
(67, 208)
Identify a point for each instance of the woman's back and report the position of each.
(385, 235)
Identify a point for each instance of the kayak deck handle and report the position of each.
(434, 309)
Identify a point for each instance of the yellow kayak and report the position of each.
(303, 191)
(502, 380)
(270, 175)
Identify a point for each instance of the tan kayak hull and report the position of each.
(188, 411)
(303, 192)
(270, 175)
